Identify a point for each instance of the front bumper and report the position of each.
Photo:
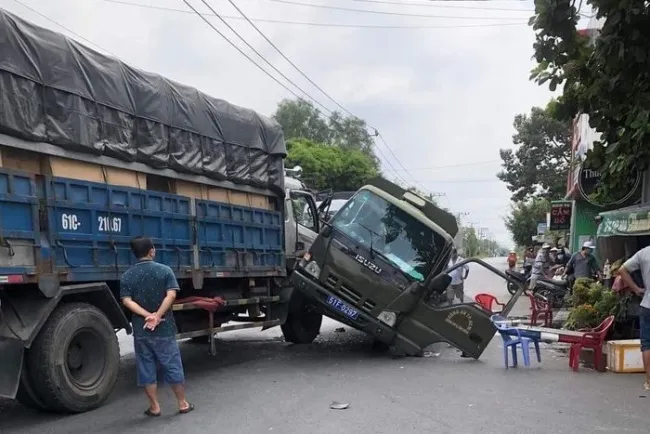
(318, 294)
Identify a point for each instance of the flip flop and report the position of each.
(150, 413)
(187, 410)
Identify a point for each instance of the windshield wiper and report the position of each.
(374, 253)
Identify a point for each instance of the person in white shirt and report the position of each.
(457, 286)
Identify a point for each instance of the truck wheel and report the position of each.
(75, 359)
(26, 394)
(302, 327)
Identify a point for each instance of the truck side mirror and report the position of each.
(439, 284)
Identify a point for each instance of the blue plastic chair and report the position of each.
(511, 338)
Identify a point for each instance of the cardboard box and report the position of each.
(81, 170)
(20, 160)
(624, 356)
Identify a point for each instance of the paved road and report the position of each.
(258, 383)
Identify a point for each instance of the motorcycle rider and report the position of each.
(512, 260)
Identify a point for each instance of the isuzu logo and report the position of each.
(366, 263)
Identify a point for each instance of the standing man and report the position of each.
(582, 264)
(540, 266)
(458, 276)
(641, 262)
(148, 290)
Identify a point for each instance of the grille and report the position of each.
(333, 282)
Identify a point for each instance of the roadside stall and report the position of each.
(621, 233)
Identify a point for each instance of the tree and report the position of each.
(326, 166)
(301, 120)
(538, 166)
(523, 219)
(608, 79)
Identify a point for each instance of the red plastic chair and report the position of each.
(486, 301)
(540, 308)
(592, 338)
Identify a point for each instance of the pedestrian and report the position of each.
(582, 264)
(540, 266)
(457, 286)
(640, 262)
(148, 290)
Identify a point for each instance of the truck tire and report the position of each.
(26, 394)
(302, 327)
(74, 361)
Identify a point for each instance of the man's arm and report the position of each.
(126, 294)
(135, 307)
(632, 264)
(171, 287)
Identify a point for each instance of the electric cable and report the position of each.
(314, 24)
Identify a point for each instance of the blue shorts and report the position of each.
(151, 351)
(644, 328)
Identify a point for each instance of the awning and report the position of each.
(629, 221)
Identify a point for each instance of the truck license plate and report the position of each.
(342, 307)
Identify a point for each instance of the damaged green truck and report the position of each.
(380, 266)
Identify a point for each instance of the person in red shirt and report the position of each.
(512, 260)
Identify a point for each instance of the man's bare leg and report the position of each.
(646, 365)
(152, 393)
(179, 392)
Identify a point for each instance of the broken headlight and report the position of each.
(311, 267)
(387, 317)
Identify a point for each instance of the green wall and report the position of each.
(583, 223)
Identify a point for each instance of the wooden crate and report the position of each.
(624, 356)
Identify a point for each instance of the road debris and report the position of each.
(339, 405)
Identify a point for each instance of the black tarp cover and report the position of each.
(55, 90)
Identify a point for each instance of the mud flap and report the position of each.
(465, 326)
(11, 364)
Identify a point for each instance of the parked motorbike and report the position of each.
(554, 289)
(522, 276)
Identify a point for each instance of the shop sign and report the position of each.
(560, 216)
(589, 181)
(541, 228)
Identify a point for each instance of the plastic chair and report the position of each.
(540, 307)
(594, 339)
(486, 301)
(511, 338)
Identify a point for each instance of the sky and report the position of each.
(440, 80)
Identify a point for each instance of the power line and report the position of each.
(447, 166)
(67, 29)
(436, 4)
(261, 56)
(374, 11)
(314, 24)
(441, 6)
(275, 47)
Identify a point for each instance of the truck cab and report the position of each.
(379, 266)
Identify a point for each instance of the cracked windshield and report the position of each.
(324, 216)
(390, 232)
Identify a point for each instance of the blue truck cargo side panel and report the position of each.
(94, 223)
(19, 221)
(229, 236)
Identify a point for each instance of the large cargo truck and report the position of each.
(93, 153)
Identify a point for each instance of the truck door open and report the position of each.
(466, 326)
